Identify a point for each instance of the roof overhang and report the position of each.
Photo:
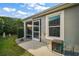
(52, 10)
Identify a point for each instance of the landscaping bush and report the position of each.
(20, 32)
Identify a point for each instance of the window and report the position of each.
(29, 29)
(54, 25)
(36, 28)
(36, 23)
(58, 47)
(36, 35)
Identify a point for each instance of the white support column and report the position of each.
(25, 30)
(32, 29)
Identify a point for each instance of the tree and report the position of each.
(10, 25)
(20, 28)
(1, 31)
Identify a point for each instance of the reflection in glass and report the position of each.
(54, 31)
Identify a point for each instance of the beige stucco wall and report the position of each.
(71, 28)
(43, 29)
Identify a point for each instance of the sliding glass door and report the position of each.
(36, 30)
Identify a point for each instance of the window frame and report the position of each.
(53, 26)
(61, 13)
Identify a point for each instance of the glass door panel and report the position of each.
(36, 30)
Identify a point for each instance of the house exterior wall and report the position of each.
(71, 31)
(43, 29)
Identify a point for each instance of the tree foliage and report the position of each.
(1, 30)
(10, 25)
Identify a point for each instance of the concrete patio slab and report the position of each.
(38, 48)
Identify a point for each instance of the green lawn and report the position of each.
(8, 47)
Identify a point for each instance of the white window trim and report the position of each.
(61, 13)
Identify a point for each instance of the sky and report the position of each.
(23, 10)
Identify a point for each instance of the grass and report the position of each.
(8, 47)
